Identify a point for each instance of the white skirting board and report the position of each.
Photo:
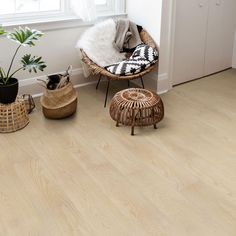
(162, 85)
(33, 86)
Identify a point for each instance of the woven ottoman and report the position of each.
(136, 107)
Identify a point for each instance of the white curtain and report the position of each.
(85, 9)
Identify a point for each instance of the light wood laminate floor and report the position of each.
(85, 177)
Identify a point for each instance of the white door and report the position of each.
(214, 40)
(190, 40)
(228, 32)
(220, 35)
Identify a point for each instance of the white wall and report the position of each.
(56, 47)
(146, 13)
(155, 17)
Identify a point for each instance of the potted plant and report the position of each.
(8, 83)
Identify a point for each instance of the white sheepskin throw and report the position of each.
(97, 43)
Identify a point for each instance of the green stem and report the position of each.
(2, 73)
(13, 74)
(8, 72)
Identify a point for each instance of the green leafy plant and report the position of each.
(2, 31)
(23, 37)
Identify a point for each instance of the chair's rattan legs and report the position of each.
(99, 80)
(133, 122)
(128, 84)
(132, 130)
(108, 85)
(153, 117)
(142, 81)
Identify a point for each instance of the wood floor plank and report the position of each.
(85, 177)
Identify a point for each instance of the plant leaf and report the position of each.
(25, 36)
(32, 63)
(2, 31)
(2, 74)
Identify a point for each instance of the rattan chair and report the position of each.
(102, 72)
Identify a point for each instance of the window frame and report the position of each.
(112, 8)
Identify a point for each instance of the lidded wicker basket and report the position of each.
(13, 116)
(59, 103)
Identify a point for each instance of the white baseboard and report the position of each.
(75, 86)
(33, 87)
(33, 81)
(163, 85)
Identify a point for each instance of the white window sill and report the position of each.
(57, 23)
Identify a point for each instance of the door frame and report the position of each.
(167, 40)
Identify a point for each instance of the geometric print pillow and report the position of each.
(130, 66)
(142, 58)
(146, 52)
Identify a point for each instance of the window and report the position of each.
(100, 2)
(14, 11)
(26, 6)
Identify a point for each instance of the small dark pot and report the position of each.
(8, 92)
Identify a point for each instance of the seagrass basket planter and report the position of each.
(59, 103)
(136, 107)
(13, 116)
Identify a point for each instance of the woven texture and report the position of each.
(97, 70)
(29, 102)
(59, 103)
(13, 116)
(136, 107)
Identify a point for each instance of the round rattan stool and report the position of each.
(136, 107)
(13, 116)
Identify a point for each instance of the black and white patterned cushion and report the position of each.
(142, 58)
(129, 67)
(146, 52)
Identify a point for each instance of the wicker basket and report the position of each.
(136, 107)
(13, 116)
(59, 103)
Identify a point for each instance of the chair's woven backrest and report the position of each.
(147, 39)
(96, 69)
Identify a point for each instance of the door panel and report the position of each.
(214, 40)
(190, 39)
(220, 35)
